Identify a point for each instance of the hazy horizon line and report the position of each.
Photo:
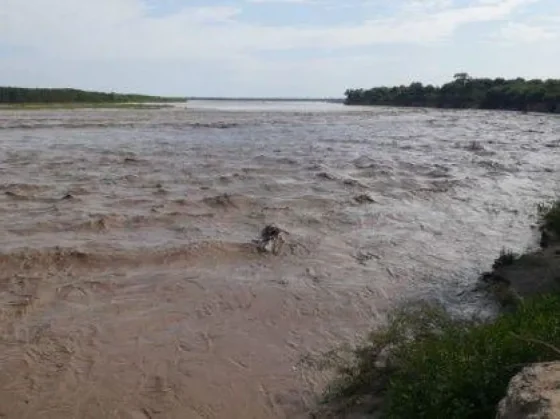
(269, 98)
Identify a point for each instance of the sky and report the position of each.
(272, 48)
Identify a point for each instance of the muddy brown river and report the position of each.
(129, 283)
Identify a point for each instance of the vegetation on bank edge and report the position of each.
(81, 105)
(466, 92)
(424, 363)
(550, 218)
(20, 95)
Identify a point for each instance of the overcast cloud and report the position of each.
(272, 47)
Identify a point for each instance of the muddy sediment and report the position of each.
(130, 282)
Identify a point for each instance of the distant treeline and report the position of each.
(466, 92)
(16, 95)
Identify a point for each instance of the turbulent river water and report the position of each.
(129, 284)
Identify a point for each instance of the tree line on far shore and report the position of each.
(20, 95)
(466, 92)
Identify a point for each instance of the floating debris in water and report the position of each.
(272, 239)
(364, 199)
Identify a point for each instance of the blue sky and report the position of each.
(307, 48)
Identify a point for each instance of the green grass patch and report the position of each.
(435, 366)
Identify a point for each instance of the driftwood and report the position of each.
(272, 239)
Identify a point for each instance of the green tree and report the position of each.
(466, 92)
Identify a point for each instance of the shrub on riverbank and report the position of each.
(440, 367)
(426, 364)
(550, 221)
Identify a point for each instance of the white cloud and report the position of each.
(213, 14)
(280, 1)
(122, 40)
(426, 5)
(516, 33)
(111, 29)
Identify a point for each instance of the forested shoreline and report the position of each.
(465, 92)
(21, 95)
